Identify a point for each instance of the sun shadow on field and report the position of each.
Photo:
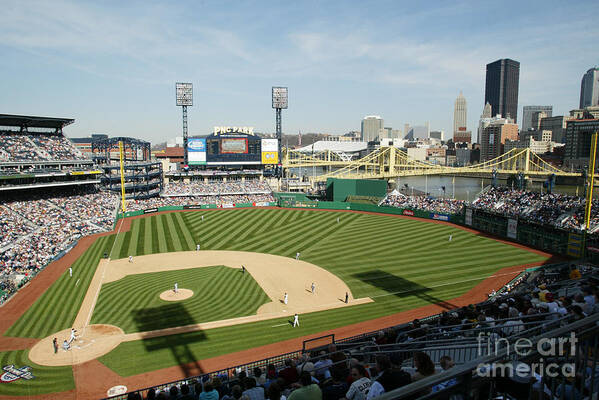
(401, 287)
(149, 319)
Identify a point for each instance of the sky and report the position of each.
(112, 65)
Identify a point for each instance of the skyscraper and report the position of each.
(371, 125)
(589, 88)
(459, 114)
(528, 111)
(501, 89)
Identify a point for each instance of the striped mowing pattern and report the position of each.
(219, 293)
(417, 252)
(47, 379)
(57, 308)
(400, 263)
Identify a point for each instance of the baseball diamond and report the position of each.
(387, 264)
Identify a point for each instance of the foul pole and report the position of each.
(592, 157)
(122, 164)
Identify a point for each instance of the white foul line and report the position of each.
(274, 326)
(442, 284)
(76, 283)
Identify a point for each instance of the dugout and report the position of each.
(340, 189)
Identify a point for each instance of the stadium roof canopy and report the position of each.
(25, 121)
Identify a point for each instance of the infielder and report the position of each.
(176, 288)
(346, 297)
(70, 272)
(295, 320)
(285, 298)
(297, 256)
(313, 287)
(242, 269)
(130, 259)
(198, 247)
(65, 345)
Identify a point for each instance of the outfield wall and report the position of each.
(193, 207)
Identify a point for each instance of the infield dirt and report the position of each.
(276, 275)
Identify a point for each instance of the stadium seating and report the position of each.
(441, 356)
(36, 230)
(555, 209)
(37, 147)
(210, 192)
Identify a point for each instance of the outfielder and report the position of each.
(70, 272)
(202, 218)
(337, 219)
(450, 237)
(295, 320)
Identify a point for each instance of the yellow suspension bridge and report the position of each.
(390, 162)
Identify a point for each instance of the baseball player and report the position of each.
(198, 247)
(337, 219)
(130, 259)
(346, 297)
(297, 256)
(55, 345)
(285, 298)
(72, 338)
(70, 272)
(450, 237)
(242, 269)
(202, 218)
(176, 288)
(65, 345)
(295, 320)
(313, 287)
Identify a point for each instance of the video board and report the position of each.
(234, 146)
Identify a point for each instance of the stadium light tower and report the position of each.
(279, 102)
(184, 98)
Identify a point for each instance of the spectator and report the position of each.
(359, 388)
(251, 391)
(289, 373)
(424, 366)
(387, 379)
(336, 387)
(210, 393)
(274, 392)
(307, 390)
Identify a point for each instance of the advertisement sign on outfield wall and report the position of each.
(408, 212)
(440, 217)
(512, 228)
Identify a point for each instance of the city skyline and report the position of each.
(113, 67)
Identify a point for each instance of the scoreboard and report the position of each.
(233, 146)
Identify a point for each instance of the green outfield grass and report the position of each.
(219, 293)
(46, 379)
(57, 308)
(400, 263)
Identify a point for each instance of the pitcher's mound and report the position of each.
(181, 294)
